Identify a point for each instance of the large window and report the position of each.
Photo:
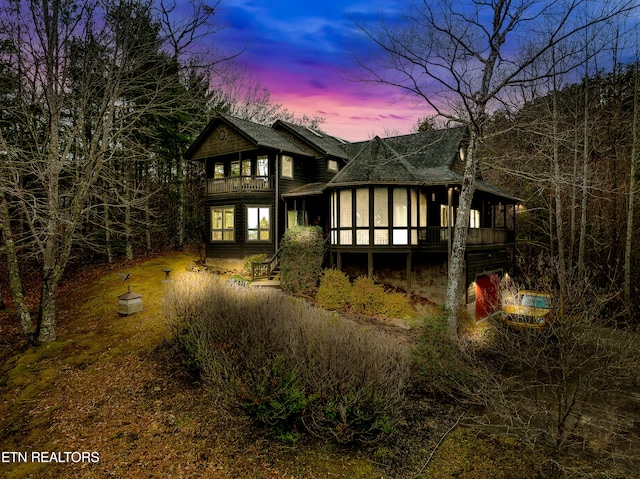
(346, 220)
(400, 216)
(222, 223)
(381, 216)
(258, 223)
(377, 216)
(362, 216)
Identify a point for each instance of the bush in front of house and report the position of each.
(286, 363)
(301, 254)
(397, 305)
(364, 297)
(435, 356)
(367, 297)
(334, 291)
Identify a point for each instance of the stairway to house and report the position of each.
(272, 280)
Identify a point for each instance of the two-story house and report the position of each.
(387, 206)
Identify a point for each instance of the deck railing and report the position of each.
(238, 183)
(475, 236)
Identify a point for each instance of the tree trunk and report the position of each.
(15, 277)
(455, 280)
(179, 240)
(107, 232)
(128, 228)
(47, 320)
(632, 189)
(585, 183)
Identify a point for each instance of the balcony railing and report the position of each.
(238, 183)
(475, 236)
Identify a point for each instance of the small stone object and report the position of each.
(129, 303)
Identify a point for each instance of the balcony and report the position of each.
(237, 184)
(475, 236)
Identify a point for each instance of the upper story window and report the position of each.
(377, 216)
(218, 170)
(262, 166)
(332, 166)
(286, 166)
(444, 216)
(246, 167)
(235, 168)
(474, 219)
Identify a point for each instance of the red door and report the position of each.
(487, 300)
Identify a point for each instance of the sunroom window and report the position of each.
(362, 216)
(346, 208)
(380, 216)
(400, 216)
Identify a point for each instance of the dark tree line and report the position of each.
(572, 156)
(98, 102)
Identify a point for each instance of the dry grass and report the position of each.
(108, 385)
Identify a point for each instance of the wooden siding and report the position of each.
(241, 248)
(486, 262)
(233, 142)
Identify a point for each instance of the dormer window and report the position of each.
(332, 166)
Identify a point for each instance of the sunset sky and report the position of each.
(302, 52)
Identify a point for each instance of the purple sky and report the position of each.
(302, 53)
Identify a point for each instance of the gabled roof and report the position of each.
(325, 144)
(427, 149)
(377, 162)
(259, 135)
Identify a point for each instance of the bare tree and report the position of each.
(631, 195)
(565, 392)
(85, 86)
(462, 58)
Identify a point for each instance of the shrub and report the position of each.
(287, 364)
(301, 254)
(435, 357)
(334, 290)
(367, 297)
(397, 305)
